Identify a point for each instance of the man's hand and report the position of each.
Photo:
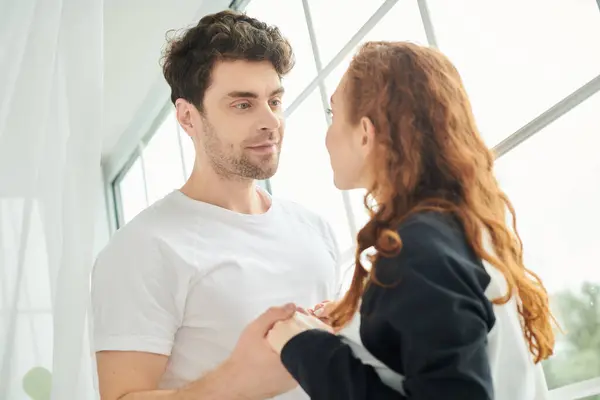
(252, 372)
(254, 367)
(283, 331)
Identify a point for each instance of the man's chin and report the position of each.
(258, 167)
(266, 173)
(267, 166)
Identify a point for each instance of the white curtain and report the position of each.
(51, 98)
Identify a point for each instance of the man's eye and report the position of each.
(242, 106)
(276, 102)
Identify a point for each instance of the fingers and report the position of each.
(274, 314)
(303, 311)
(282, 332)
(322, 307)
(308, 322)
(321, 304)
(323, 311)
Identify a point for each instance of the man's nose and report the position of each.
(269, 121)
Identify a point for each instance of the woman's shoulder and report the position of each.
(434, 234)
(435, 247)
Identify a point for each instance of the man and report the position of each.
(178, 293)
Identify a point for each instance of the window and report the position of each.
(402, 22)
(165, 163)
(163, 160)
(553, 181)
(132, 192)
(304, 173)
(518, 58)
(188, 152)
(293, 26)
(336, 21)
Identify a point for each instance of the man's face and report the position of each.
(240, 129)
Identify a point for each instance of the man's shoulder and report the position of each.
(144, 231)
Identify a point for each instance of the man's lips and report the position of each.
(264, 148)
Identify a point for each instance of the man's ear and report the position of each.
(184, 111)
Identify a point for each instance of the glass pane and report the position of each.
(189, 153)
(162, 160)
(348, 15)
(594, 397)
(518, 58)
(133, 193)
(553, 182)
(304, 174)
(290, 20)
(402, 22)
(358, 208)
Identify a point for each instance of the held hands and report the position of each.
(283, 331)
(302, 320)
(253, 365)
(323, 310)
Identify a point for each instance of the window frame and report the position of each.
(112, 181)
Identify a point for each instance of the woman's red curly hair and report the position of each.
(429, 155)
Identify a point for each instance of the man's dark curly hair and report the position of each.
(226, 35)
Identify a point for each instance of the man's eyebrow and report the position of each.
(253, 95)
(238, 93)
(279, 91)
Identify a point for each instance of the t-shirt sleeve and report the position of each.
(138, 296)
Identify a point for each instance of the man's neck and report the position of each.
(239, 195)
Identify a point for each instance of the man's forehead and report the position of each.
(255, 77)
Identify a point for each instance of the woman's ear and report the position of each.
(367, 133)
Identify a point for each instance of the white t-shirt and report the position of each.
(185, 277)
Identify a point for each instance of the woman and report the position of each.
(446, 308)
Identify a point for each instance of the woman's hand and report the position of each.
(323, 311)
(283, 331)
(324, 308)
